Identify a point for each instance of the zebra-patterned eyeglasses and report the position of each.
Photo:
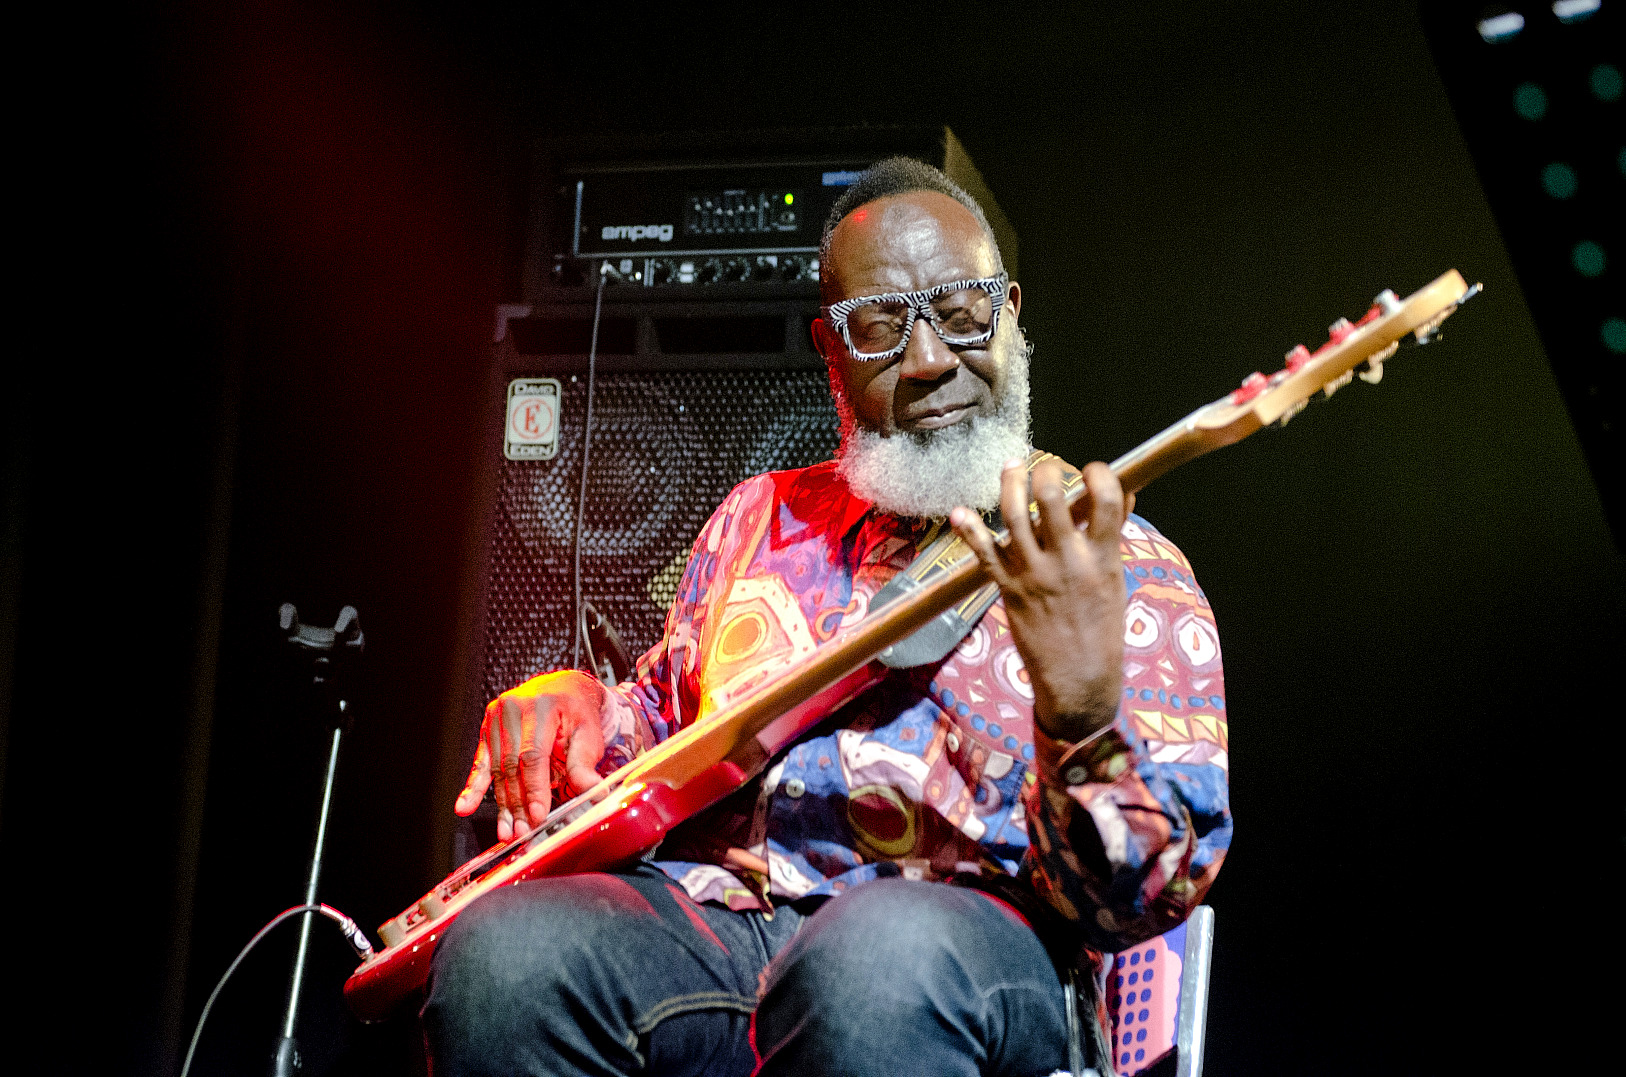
(963, 313)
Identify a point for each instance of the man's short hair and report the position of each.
(894, 176)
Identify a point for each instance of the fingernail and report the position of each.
(956, 516)
(1012, 462)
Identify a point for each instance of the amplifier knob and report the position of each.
(735, 269)
(710, 270)
(762, 270)
(792, 268)
(660, 272)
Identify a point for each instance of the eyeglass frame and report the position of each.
(997, 287)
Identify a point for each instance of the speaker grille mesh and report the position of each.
(667, 448)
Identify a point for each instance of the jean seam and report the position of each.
(1011, 985)
(680, 1004)
(986, 995)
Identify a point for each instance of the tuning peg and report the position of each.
(1251, 386)
(1387, 301)
(1340, 329)
(1297, 358)
(1372, 371)
(1287, 416)
(1338, 383)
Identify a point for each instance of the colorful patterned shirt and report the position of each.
(937, 769)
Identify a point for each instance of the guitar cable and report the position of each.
(580, 631)
(352, 933)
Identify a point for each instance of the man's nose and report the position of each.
(926, 357)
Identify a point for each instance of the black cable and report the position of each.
(581, 501)
(358, 941)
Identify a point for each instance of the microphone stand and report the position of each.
(329, 651)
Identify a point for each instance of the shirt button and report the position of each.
(954, 742)
(795, 787)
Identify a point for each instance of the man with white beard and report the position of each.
(906, 888)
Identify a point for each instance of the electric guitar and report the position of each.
(628, 813)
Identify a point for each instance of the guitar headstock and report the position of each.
(1351, 348)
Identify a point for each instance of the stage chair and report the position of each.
(1157, 997)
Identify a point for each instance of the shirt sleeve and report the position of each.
(1127, 837)
(662, 697)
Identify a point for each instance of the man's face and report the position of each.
(907, 243)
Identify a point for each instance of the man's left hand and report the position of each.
(1064, 592)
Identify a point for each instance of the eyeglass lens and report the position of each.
(963, 316)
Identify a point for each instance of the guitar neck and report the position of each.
(1160, 454)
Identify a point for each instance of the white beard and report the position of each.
(927, 473)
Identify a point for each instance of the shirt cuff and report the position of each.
(1100, 758)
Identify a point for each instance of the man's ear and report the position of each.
(1013, 299)
(827, 342)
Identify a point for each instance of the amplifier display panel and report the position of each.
(769, 208)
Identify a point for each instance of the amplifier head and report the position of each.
(704, 226)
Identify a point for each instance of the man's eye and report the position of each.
(964, 313)
(877, 333)
(875, 325)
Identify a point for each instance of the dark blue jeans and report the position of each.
(623, 974)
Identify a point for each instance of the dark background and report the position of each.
(249, 369)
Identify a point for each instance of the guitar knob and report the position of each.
(392, 932)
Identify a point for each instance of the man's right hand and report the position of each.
(526, 729)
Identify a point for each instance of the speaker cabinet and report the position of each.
(668, 442)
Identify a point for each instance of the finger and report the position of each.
(1023, 548)
(535, 771)
(479, 780)
(1106, 513)
(512, 713)
(1056, 526)
(491, 733)
(969, 526)
(583, 753)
